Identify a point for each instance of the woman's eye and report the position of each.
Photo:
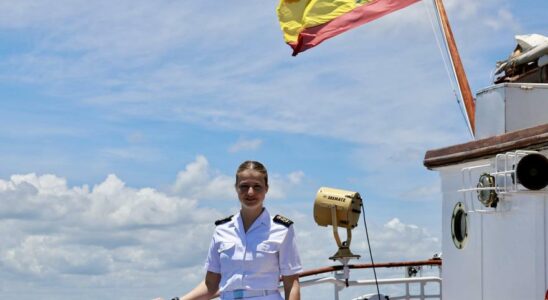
(244, 188)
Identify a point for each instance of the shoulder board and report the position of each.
(222, 221)
(282, 220)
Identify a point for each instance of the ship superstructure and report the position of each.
(495, 195)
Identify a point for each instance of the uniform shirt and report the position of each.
(253, 260)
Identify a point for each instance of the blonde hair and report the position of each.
(252, 165)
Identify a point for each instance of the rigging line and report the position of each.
(370, 253)
(444, 59)
(443, 26)
(446, 67)
(453, 67)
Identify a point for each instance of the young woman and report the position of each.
(251, 250)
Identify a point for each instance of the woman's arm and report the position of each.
(207, 289)
(292, 287)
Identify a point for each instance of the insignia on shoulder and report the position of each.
(222, 221)
(282, 220)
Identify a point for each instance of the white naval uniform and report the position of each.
(253, 260)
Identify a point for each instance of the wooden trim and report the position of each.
(535, 138)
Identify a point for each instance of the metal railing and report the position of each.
(339, 283)
(503, 170)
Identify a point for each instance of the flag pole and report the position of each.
(458, 68)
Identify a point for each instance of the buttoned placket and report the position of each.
(244, 236)
(241, 233)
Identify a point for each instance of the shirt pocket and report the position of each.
(268, 247)
(225, 247)
(266, 257)
(226, 255)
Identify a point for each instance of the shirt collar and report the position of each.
(262, 219)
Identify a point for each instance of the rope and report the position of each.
(446, 65)
(370, 253)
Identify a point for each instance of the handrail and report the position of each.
(339, 281)
(430, 262)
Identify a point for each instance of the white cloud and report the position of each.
(25, 13)
(245, 145)
(88, 223)
(504, 19)
(131, 153)
(47, 255)
(296, 177)
(58, 237)
(121, 59)
(406, 241)
(381, 86)
(424, 193)
(198, 180)
(135, 137)
(391, 242)
(284, 186)
(112, 235)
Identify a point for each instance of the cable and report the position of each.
(443, 54)
(370, 253)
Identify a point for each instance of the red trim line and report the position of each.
(313, 36)
(430, 262)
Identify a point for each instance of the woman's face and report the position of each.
(251, 188)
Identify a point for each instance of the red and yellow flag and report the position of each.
(307, 23)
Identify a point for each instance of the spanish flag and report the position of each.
(307, 23)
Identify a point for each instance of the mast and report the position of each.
(458, 68)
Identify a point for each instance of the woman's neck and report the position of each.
(249, 216)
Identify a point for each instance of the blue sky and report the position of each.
(123, 124)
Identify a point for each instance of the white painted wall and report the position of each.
(505, 254)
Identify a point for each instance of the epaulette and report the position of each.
(222, 221)
(282, 220)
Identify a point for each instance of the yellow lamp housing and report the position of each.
(338, 208)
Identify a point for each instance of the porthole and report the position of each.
(459, 226)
